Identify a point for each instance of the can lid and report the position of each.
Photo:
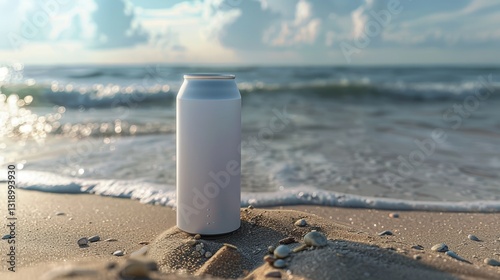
(208, 76)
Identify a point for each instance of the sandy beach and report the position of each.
(49, 226)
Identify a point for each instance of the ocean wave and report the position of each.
(165, 195)
(112, 95)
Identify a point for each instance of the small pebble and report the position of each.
(191, 242)
(394, 215)
(273, 274)
(440, 248)
(144, 243)
(385, 232)
(491, 262)
(282, 252)
(196, 254)
(271, 249)
(208, 254)
(301, 223)
(279, 263)
(7, 236)
(250, 206)
(287, 240)
(315, 238)
(473, 237)
(300, 248)
(110, 240)
(197, 247)
(417, 257)
(118, 253)
(202, 252)
(83, 241)
(269, 259)
(197, 236)
(94, 238)
(60, 213)
(417, 247)
(456, 256)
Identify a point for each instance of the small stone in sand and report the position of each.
(287, 240)
(385, 232)
(60, 213)
(300, 248)
(279, 263)
(94, 238)
(191, 242)
(144, 243)
(441, 247)
(456, 256)
(197, 236)
(417, 247)
(110, 240)
(394, 215)
(197, 247)
(417, 257)
(118, 253)
(83, 241)
(7, 236)
(301, 223)
(273, 274)
(315, 238)
(250, 206)
(282, 252)
(473, 237)
(208, 254)
(269, 259)
(491, 262)
(196, 254)
(271, 249)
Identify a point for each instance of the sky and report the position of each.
(250, 32)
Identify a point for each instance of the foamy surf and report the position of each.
(165, 195)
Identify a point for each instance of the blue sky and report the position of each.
(354, 32)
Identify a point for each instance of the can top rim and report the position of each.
(209, 76)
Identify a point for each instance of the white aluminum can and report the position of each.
(208, 154)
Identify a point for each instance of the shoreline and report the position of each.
(46, 238)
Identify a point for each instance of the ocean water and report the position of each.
(377, 137)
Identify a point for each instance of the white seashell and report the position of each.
(315, 238)
(118, 253)
(440, 247)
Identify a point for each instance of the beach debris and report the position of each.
(118, 253)
(230, 246)
(60, 213)
(7, 236)
(385, 232)
(250, 207)
(269, 259)
(273, 274)
(491, 262)
(282, 252)
(271, 249)
(110, 240)
(139, 253)
(417, 247)
(300, 248)
(301, 223)
(197, 237)
(94, 238)
(144, 243)
(82, 241)
(315, 238)
(417, 257)
(208, 254)
(441, 247)
(135, 269)
(287, 240)
(394, 215)
(191, 242)
(473, 237)
(279, 263)
(456, 256)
